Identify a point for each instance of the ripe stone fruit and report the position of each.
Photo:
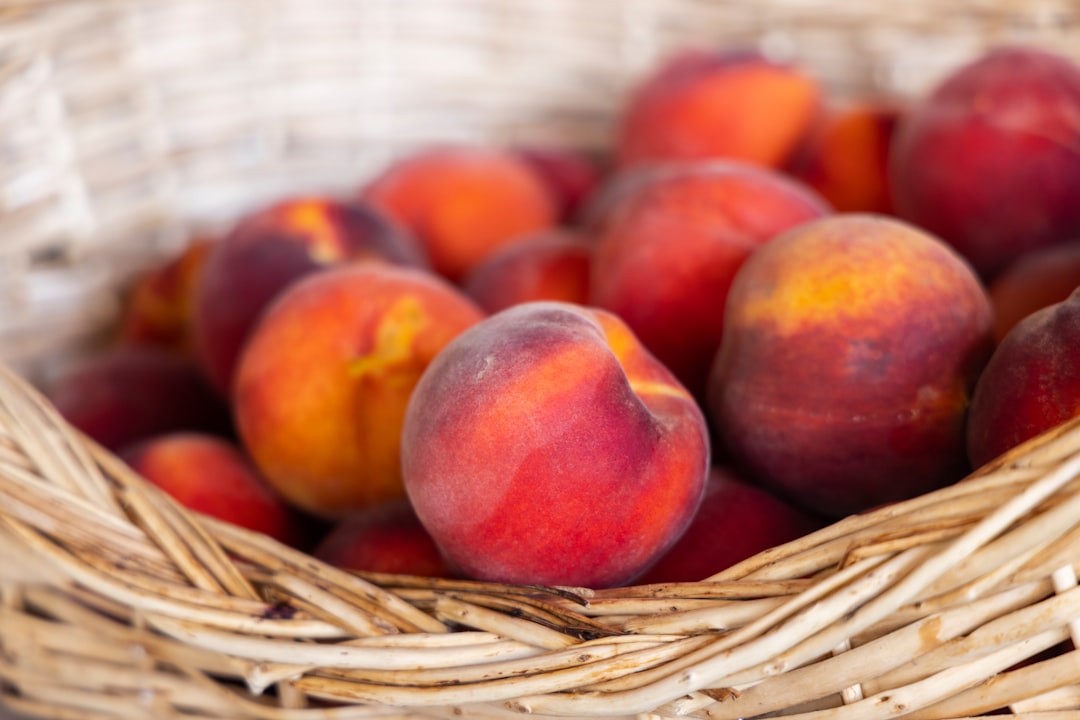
(990, 160)
(550, 265)
(463, 202)
(1031, 383)
(1040, 278)
(736, 520)
(269, 249)
(546, 445)
(214, 476)
(322, 384)
(666, 253)
(851, 346)
(127, 393)
(384, 538)
(734, 104)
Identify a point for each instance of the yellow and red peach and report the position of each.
(668, 249)
(1035, 280)
(990, 160)
(463, 203)
(546, 445)
(735, 104)
(213, 476)
(737, 519)
(846, 159)
(322, 384)
(383, 538)
(271, 248)
(159, 308)
(550, 265)
(1031, 383)
(127, 393)
(851, 346)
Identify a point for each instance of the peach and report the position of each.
(214, 476)
(158, 310)
(851, 346)
(846, 159)
(127, 393)
(1040, 278)
(670, 246)
(271, 248)
(733, 104)
(322, 384)
(546, 445)
(736, 520)
(550, 265)
(1030, 384)
(990, 160)
(571, 176)
(383, 538)
(462, 203)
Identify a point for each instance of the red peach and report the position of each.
(990, 160)
(159, 308)
(1040, 278)
(383, 538)
(736, 520)
(127, 393)
(213, 476)
(699, 104)
(322, 384)
(851, 346)
(463, 203)
(271, 248)
(572, 177)
(669, 247)
(546, 445)
(551, 265)
(846, 159)
(1031, 383)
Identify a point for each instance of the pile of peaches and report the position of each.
(763, 310)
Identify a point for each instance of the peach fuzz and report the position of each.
(550, 265)
(1036, 280)
(272, 247)
(126, 393)
(383, 538)
(1031, 383)
(733, 104)
(213, 476)
(463, 203)
(846, 159)
(670, 244)
(546, 445)
(159, 307)
(989, 161)
(851, 346)
(322, 384)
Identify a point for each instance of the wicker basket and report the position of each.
(125, 126)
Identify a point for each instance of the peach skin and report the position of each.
(546, 445)
(213, 476)
(271, 248)
(550, 265)
(851, 346)
(990, 160)
(669, 247)
(734, 104)
(463, 203)
(1033, 281)
(322, 384)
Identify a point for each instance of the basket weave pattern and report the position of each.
(125, 126)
